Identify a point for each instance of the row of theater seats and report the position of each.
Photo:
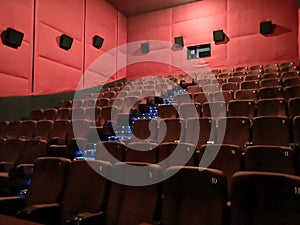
(263, 130)
(64, 192)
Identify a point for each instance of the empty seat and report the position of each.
(271, 107)
(92, 114)
(270, 92)
(110, 151)
(224, 157)
(78, 113)
(270, 130)
(130, 102)
(185, 154)
(274, 75)
(253, 77)
(84, 197)
(249, 94)
(197, 196)
(291, 92)
(190, 110)
(47, 182)
(167, 111)
(170, 130)
(9, 153)
(235, 79)
(43, 129)
(77, 103)
(211, 88)
(28, 128)
(230, 87)
(108, 113)
(109, 94)
(250, 85)
(182, 98)
(142, 152)
(265, 198)
(255, 67)
(50, 114)
(233, 130)
(294, 81)
(64, 114)
(241, 68)
(294, 107)
(13, 130)
(296, 129)
(199, 131)
(242, 108)
(270, 159)
(270, 82)
(289, 74)
(214, 109)
(59, 131)
(3, 127)
(65, 104)
(133, 204)
(144, 129)
(202, 97)
(223, 96)
(37, 114)
(89, 103)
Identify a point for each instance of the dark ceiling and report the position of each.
(136, 7)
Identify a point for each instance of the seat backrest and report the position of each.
(270, 130)
(43, 128)
(170, 130)
(270, 159)
(194, 196)
(144, 129)
(271, 107)
(31, 150)
(242, 108)
(233, 130)
(167, 111)
(265, 198)
(142, 152)
(112, 149)
(85, 189)
(47, 180)
(13, 130)
(130, 204)
(3, 127)
(206, 133)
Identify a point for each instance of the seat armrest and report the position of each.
(41, 213)
(11, 205)
(88, 219)
(27, 169)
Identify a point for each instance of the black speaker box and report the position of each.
(219, 35)
(13, 38)
(97, 41)
(65, 42)
(178, 42)
(266, 27)
(145, 47)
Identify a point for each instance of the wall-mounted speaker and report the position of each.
(219, 35)
(65, 42)
(178, 42)
(97, 41)
(266, 27)
(12, 38)
(145, 47)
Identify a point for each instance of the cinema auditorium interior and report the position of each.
(136, 112)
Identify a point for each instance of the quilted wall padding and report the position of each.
(40, 66)
(240, 20)
(56, 69)
(16, 64)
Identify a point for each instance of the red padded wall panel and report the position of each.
(16, 64)
(240, 22)
(299, 34)
(58, 70)
(101, 19)
(252, 47)
(122, 51)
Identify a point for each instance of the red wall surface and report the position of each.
(39, 66)
(240, 22)
(16, 64)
